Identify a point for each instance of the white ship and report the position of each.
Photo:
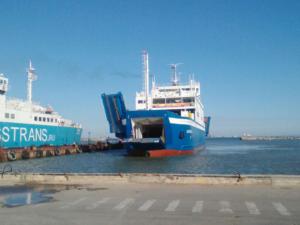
(24, 123)
(168, 120)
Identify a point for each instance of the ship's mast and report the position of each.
(31, 77)
(175, 79)
(146, 77)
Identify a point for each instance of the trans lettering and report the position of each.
(22, 134)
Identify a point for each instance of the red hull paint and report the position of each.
(168, 152)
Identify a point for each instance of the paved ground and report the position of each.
(154, 204)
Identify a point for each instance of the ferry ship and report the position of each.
(26, 124)
(168, 120)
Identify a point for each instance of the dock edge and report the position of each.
(123, 178)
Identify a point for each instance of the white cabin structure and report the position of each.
(181, 99)
(26, 111)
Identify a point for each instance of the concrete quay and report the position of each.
(123, 178)
(133, 199)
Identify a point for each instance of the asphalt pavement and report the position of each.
(135, 204)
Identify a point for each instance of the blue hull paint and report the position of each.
(17, 135)
(186, 136)
(177, 137)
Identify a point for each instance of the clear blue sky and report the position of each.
(246, 55)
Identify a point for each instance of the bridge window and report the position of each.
(51, 120)
(187, 100)
(12, 116)
(7, 115)
(158, 101)
(173, 100)
(35, 118)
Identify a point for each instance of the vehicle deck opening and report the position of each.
(147, 127)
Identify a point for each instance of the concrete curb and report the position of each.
(99, 179)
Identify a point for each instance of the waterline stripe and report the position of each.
(186, 122)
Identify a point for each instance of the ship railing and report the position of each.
(182, 95)
(169, 105)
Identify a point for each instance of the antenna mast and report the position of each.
(175, 79)
(31, 77)
(146, 77)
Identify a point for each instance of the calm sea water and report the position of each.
(221, 156)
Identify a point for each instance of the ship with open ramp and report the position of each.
(168, 120)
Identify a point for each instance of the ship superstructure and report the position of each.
(181, 99)
(168, 120)
(24, 123)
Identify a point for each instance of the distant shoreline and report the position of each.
(268, 138)
(259, 138)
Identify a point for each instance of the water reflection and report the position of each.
(26, 199)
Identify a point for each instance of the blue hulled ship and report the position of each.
(26, 124)
(168, 120)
